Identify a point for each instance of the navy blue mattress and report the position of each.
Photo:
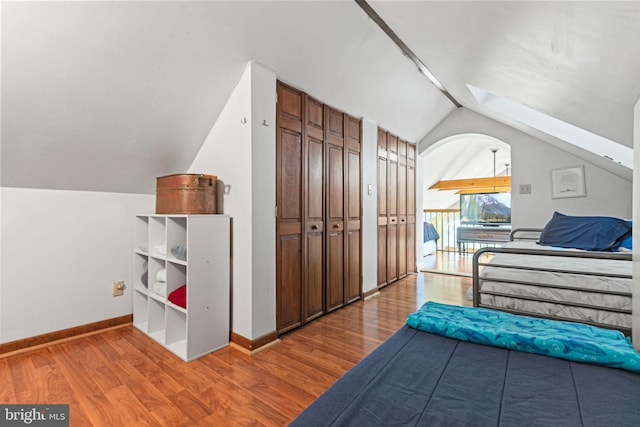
(417, 378)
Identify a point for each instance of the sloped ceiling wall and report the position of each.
(107, 96)
(572, 60)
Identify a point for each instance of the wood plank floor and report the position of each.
(451, 262)
(123, 378)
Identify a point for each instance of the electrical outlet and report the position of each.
(118, 288)
(525, 188)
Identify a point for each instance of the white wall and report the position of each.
(531, 163)
(369, 205)
(61, 252)
(242, 155)
(0, 189)
(263, 200)
(419, 212)
(635, 297)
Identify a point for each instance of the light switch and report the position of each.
(525, 188)
(369, 189)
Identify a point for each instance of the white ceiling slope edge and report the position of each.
(569, 60)
(105, 96)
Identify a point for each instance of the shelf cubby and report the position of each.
(176, 235)
(157, 236)
(203, 326)
(141, 311)
(141, 234)
(157, 323)
(140, 266)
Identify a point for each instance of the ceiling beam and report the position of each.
(462, 184)
(405, 50)
(484, 190)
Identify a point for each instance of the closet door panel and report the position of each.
(335, 184)
(289, 233)
(411, 217)
(289, 254)
(382, 255)
(314, 230)
(289, 289)
(392, 189)
(315, 279)
(402, 190)
(382, 187)
(289, 201)
(392, 228)
(353, 201)
(402, 152)
(334, 132)
(353, 186)
(315, 182)
(402, 248)
(392, 252)
(335, 193)
(335, 271)
(353, 288)
(382, 206)
(402, 213)
(313, 286)
(392, 147)
(319, 203)
(411, 192)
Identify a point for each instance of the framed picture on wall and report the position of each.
(568, 182)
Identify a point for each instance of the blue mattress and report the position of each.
(416, 378)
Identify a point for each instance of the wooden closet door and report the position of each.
(411, 208)
(402, 208)
(334, 140)
(382, 207)
(289, 199)
(353, 202)
(392, 206)
(313, 288)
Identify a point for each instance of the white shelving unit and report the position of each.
(203, 326)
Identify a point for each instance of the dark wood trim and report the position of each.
(370, 292)
(252, 345)
(63, 334)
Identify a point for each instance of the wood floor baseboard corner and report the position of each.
(371, 293)
(39, 341)
(254, 346)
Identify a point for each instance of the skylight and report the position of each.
(550, 125)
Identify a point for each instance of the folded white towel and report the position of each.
(160, 288)
(161, 276)
(161, 248)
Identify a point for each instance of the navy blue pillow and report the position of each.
(627, 241)
(591, 233)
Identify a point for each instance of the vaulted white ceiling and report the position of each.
(104, 96)
(576, 61)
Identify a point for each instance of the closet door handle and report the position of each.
(336, 225)
(314, 227)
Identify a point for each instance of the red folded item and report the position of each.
(179, 296)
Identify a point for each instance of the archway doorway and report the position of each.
(458, 158)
